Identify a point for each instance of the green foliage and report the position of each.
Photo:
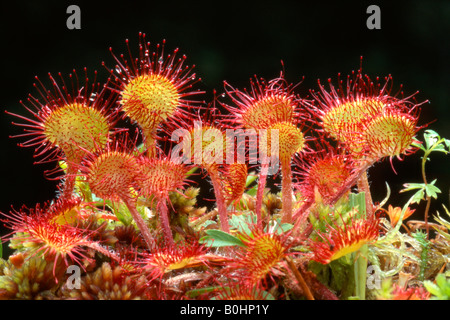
(121, 211)
(242, 222)
(444, 223)
(433, 142)
(218, 238)
(358, 203)
(279, 227)
(194, 293)
(439, 290)
(423, 189)
(385, 292)
(184, 201)
(421, 238)
(326, 215)
(252, 176)
(338, 275)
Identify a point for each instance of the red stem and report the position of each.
(220, 200)
(69, 183)
(150, 142)
(286, 190)
(140, 223)
(363, 186)
(164, 218)
(260, 192)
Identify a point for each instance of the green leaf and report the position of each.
(1, 250)
(431, 137)
(440, 148)
(242, 222)
(120, 210)
(218, 238)
(431, 288)
(418, 196)
(435, 143)
(412, 186)
(286, 227)
(252, 176)
(192, 171)
(278, 227)
(253, 190)
(358, 201)
(388, 194)
(419, 145)
(447, 143)
(441, 289)
(196, 292)
(432, 190)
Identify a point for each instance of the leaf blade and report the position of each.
(218, 238)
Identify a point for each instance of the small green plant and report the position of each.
(427, 190)
(439, 290)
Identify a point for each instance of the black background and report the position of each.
(231, 40)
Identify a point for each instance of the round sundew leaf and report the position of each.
(389, 135)
(75, 126)
(234, 181)
(218, 238)
(262, 253)
(161, 176)
(267, 111)
(205, 146)
(345, 122)
(342, 240)
(112, 174)
(150, 99)
(290, 140)
(326, 175)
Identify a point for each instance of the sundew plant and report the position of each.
(292, 216)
